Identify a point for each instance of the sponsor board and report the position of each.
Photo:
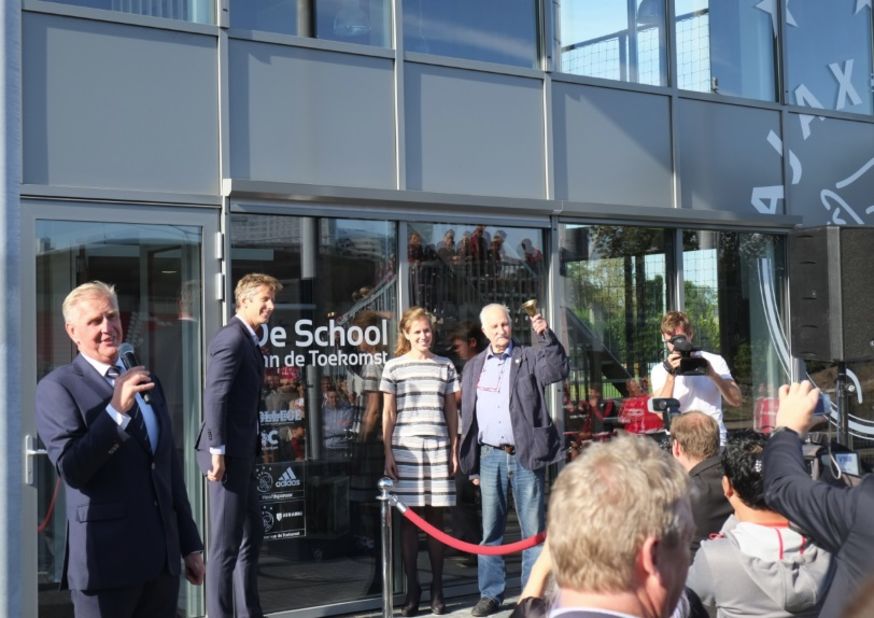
(283, 520)
(280, 481)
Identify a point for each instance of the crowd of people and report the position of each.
(731, 524)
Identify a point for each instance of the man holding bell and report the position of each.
(508, 437)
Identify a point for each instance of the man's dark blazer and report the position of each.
(838, 519)
(234, 374)
(128, 516)
(232, 397)
(533, 369)
(710, 508)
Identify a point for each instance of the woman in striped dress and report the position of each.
(420, 434)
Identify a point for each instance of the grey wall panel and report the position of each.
(835, 179)
(474, 133)
(612, 146)
(729, 156)
(117, 106)
(311, 116)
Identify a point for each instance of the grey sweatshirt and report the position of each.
(755, 570)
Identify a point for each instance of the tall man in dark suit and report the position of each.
(128, 518)
(508, 437)
(228, 443)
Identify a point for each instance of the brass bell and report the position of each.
(530, 307)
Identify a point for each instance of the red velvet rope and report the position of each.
(51, 508)
(472, 548)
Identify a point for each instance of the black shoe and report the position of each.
(438, 607)
(485, 607)
(411, 603)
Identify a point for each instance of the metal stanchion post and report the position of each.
(385, 486)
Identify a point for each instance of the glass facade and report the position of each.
(320, 416)
(367, 22)
(332, 331)
(614, 39)
(335, 326)
(616, 290)
(727, 48)
(502, 31)
(156, 270)
(455, 270)
(734, 294)
(197, 11)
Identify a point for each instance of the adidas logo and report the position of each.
(288, 479)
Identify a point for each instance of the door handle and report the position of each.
(30, 451)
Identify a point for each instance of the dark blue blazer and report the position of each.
(234, 374)
(534, 368)
(838, 519)
(128, 516)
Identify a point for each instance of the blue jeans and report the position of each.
(500, 472)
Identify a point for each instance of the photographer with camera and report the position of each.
(699, 380)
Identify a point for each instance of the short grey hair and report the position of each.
(491, 307)
(606, 504)
(92, 289)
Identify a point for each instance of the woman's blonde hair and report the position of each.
(413, 314)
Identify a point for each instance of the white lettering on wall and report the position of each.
(845, 84)
(803, 96)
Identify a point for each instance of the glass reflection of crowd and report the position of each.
(451, 272)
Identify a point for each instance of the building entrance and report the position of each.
(159, 276)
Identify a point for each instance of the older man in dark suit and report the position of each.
(228, 443)
(128, 518)
(508, 437)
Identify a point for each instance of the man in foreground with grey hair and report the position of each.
(620, 524)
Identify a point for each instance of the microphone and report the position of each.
(129, 359)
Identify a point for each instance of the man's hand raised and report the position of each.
(797, 403)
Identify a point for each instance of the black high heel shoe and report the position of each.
(411, 603)
(438, 607)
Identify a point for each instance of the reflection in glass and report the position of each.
(352, 21)
(502, 31)
(197, 11)
(455, 270)
(613, 39)
(156, 272)
(829, 53)
(727, 48)
(733, 287)
(321, 409)
(615, 287)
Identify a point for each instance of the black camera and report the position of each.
(663, 404)
(689, 365)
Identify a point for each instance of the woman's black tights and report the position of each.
(410, 552)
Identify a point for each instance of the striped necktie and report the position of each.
(136, 426)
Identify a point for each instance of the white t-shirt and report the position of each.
(697, 392)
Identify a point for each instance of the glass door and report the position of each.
(165, 277)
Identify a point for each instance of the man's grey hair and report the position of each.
(491, 307)
(92, 289)
(606, 504)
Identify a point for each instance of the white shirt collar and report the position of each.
(248, 328)
(98, 366)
